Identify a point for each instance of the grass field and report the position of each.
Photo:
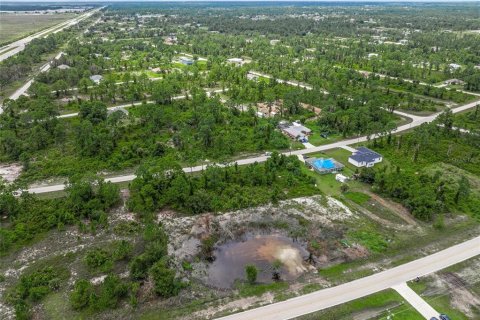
(16, 26)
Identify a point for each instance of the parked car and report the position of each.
(444, 317)
(433, 318)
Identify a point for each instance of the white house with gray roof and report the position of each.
(364, 157)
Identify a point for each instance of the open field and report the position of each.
(15, 26)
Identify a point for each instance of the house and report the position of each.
(454, 66)
(403, 42)
(372, 55)
(96, 78)
(295, 130)
(364, 157)
(186, 61)
(251, 76)
(341, 178)
(236, 61)
(454, 82)
(171, 39)
(63, 67)
(324, 165)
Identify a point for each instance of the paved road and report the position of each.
(289, 82)
(416, 121)
(416, 301)
(17, 46)
(330, 297)
(129, 105)
(382, 76)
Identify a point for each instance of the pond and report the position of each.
(261, 251)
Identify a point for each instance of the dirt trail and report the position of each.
(397, 208)
(372, 216)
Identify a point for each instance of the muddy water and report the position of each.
(261, 251)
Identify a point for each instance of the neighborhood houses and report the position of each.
(364, 157)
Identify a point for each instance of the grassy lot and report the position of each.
(15, 26)
(440, 302)
(469, 120)
(441, 298)
(378, 306)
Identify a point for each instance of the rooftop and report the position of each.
(363, 154)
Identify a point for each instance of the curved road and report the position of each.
(416, 121)
(349, 291)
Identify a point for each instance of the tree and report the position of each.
(251, 272)
(82, 294)
(344, 188)
(166, 284)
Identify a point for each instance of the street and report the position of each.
(330, 297)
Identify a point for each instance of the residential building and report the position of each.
(364, 157)
(186, 61)
(295, 130)
(454, 81)
(236, 61)
(96, 78)
(454, 66)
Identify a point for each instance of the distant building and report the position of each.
(364, 157)
(251, 76)
(186, 61)
(236, 61)
(454, 66)
(372, 55)
(171, 39)
(295, 130)
(454, 81)
(96, 78)
(63, 67)
(324, 165)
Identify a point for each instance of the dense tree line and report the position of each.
(27, 216)
(218, 189)
(417, 176)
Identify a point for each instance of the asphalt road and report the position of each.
(17, 46)
(416, 121)
(330, 297)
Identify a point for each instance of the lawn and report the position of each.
(16, 26)
(326, 182)
(441, 301)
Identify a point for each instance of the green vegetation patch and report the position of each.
(357, 197)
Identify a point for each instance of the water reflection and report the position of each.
(261, 251)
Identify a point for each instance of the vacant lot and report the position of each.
(14, 26)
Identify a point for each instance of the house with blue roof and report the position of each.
(364, 157)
